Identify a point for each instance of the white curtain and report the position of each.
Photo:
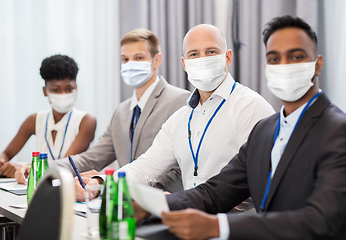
(89, 31)
(30, 31)
(169, 20)
(332, 45)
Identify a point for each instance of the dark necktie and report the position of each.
(136, 114)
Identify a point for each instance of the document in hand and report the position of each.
(150, 199)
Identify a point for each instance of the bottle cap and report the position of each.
(121, 174)
(35, 154)
(109, 171)
(43, 155)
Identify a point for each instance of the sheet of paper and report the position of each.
(7, 180)
(14, 187)
(80, 207)
(149, 198)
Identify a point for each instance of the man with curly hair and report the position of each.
(61, 130)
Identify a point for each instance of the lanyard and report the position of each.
(275, 137)
(195, 157)
(63, 140)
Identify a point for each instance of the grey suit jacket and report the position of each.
(307, 195)
(115, 143)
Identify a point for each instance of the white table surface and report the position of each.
(17, 215)
(79, 228)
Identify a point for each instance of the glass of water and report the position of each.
(93, 199)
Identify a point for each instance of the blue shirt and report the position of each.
(287, 125)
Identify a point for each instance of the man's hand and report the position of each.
(90, 173)
(22, 172)
(140, 213)
(79, 190)
(191, 224)
(8, 169)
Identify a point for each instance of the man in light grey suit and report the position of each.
(126, 139)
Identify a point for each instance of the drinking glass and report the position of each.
(93, 199)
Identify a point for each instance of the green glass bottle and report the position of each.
(107, 204)
(43, 166)
(33, 177)
(123, 225)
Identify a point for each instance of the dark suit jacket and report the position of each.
(307, 196)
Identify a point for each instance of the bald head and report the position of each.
(204, 35)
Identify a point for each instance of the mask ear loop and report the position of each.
(313, 79)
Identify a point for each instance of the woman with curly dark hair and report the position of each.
(61, 130)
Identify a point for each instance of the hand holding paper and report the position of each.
(150, 199)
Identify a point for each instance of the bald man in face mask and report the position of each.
(217, 120)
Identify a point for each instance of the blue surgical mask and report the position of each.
(136, 73)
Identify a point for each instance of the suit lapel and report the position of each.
(148, 108)
(262, 167)
(297, 138)
(127, 119)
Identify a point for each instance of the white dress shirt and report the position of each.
(225, 135)
(143, 100)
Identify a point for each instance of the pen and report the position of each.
(76, 171)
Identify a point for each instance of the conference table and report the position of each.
(152, 230)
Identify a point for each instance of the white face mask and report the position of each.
(62, 103)
(136, 73)
(206, 73)
(290, 82)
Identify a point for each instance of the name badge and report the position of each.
(194, 181)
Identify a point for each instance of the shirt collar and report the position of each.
(52, 126)
(222, 91)
(294, 116)
(291, 119)
(143, 100)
